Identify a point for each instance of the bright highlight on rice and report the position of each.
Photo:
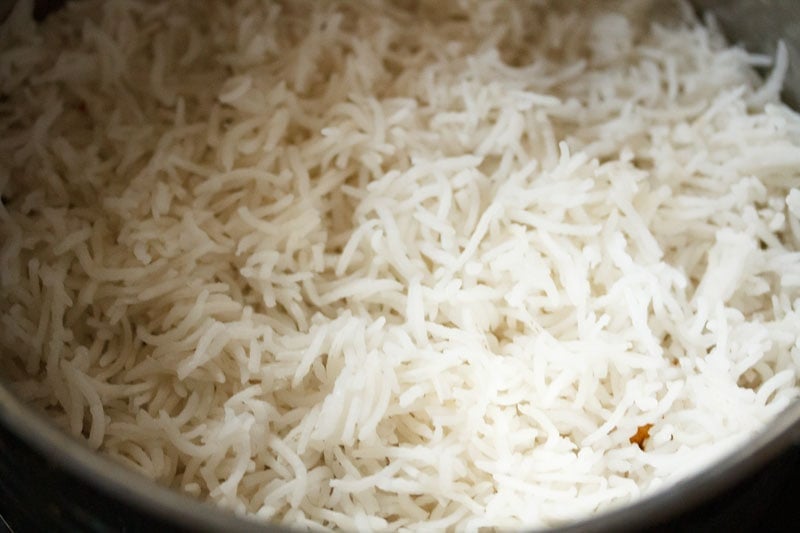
(392, 265)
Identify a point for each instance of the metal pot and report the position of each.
(52, 481)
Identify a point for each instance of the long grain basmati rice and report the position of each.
(397, 265)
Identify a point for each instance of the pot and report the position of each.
(52, 481)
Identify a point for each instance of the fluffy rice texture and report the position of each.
(397, 265)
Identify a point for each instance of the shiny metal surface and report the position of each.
(143, 496)
(757, 24)
(63, 451)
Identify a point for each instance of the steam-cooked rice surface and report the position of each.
(397, 265)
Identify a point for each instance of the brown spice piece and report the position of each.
(641, 435)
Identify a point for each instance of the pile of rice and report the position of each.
(393, 265)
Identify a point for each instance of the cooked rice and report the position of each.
(372, 265)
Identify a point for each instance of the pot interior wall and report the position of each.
(758, 25)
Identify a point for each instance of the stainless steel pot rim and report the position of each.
(70, 454)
